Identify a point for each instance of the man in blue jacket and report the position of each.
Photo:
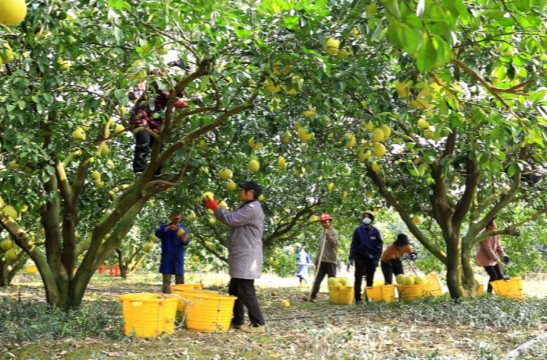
(365, 253)
(173, 240)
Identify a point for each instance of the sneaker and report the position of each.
(254, 328)
(306, 299)
(237, 326)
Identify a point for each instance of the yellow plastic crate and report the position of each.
(32, 269)
(186, 287)
(433, 285)
(149, 314)
(412, 292)
(511, 289)
(341, 295)
(381, 293)
(185, 295)
(378, 283)
(210, 313)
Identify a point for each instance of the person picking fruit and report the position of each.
(174, 238)
(365, 253)
(144, 115)
(391, 261)
(487, 256)
(328, 256)
(245, 257)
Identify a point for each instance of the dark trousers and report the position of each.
(390, 269)
(363, 267)
(166, 288)
(244, 289)
(143, 146)
(495, 274)
(324, 269)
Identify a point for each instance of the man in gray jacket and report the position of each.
(328, 261)
(245, 254)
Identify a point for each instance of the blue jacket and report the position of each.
(172, 250)
(367, 242)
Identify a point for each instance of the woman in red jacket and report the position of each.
(487, 256)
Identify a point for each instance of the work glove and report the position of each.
(211, 204)
(375, 262)
(413, 256)
(405, 256)
(506, 260)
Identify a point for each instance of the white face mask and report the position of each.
(367, 221)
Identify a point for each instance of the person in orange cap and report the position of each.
(328, 241)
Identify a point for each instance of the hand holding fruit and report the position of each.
(210, 204)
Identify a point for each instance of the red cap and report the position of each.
(325, 217)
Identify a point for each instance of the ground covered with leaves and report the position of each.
(485, 328)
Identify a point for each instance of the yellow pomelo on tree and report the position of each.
(254, 165)
(377, 135)
(11, 254)
(296, 85)
(13, 165)
(207, 196)
(376, 167)
(344, 195)
(223, 204)
(163, 50)
(195, 258)
(225, 174)
(231, 186)
(103, 149)
(6, 244)
(212, 221)
(365, 155)
(309, 113)
(10, 211)
(286, 136)
(423, 123)
(386, 130)
(119, 130)
(12, 12)
(209, 244)
(148, 246)
(191, 215)
(402, 88)
(272, 86)
(345, 52)
(281, 162)
(202, 145)
(99, 184)
(111, 164)
(332, 46)
(429, 134)
(331, 186)
(7, 56)
(253, 145)
(350, 140)
(261, 197)
(367, 125)
(380, 150)
(417, 220)
(78, 134)
(96, 175)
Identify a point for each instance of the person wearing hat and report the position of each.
(245, 255)
(365, 252)
(172, 251)
(328, 241)
(392, 258)
(304, 263)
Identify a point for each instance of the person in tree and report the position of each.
(146, 113)
(174, 238)
(365, 253)
(391, 261)
(487, 256)
(328, 241)
(304, 263)
(245, 258)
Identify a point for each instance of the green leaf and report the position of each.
(410, 38)
(427, 56)
(21, 104)
(392, 7)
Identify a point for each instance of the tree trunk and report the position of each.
(468, 275)
(453, 265)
